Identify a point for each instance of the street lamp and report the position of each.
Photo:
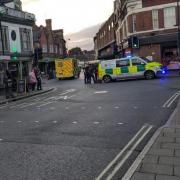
(178, 31)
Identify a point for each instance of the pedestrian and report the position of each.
(38, 77)
(86, 74)
(91, 74)
(32, 79)
(8, 84)
(96, 74)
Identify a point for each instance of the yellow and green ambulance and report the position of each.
(130, 67)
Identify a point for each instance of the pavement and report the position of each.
(160, 159)
(45, 89)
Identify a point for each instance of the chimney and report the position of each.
(49, 24)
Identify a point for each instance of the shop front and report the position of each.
(47, 67)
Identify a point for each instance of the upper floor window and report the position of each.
(44, 48)
(133, 23)
(51, 50)
(169, 17)
(155, 19)
(25, 35)
(5, 39)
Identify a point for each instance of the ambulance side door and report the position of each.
(137, 67)
(123, 66)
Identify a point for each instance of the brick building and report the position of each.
(154, 23)
(52, 43)
(105, 41)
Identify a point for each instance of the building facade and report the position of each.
(16, 40)
(105, 41)
(153, 23)
(52, 44)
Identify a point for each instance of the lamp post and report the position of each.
(178, 30)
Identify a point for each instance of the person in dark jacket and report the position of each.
(86, 74)
(38, 77)
(8, 85)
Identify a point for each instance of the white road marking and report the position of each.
(67, 92)
(45, 104)
(52, 108)
(54, 122)
(135, 107)
(121, 153)
(100, 92)
(1, 121)
(120, 123)
(17, 105)
(116, 107)
(2, 107)
(99, 107)
(169, 102)
(119, 165)
(21, 107)
(36, 121)
(96, 122)
(19, 121)
(1, 139)
(66, 108)
(74, 122)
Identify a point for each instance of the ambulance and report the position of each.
(66, 68)
(128, 68)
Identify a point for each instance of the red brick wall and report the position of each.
(147, 3)
(144, 21)
(149, 50)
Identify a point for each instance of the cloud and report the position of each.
(83, 38)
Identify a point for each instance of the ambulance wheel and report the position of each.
(149, 75)
(107, 79)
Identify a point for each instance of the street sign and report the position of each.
(5, 57)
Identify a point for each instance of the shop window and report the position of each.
(25, 35)
(5, 39)
(169, 17)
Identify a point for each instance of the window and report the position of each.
(25, 39)
(51, 49)
(44, 48)
(155, 19)
(122, 63)
(5, 39)
(134, 23)
(137, 61)
(169, 17)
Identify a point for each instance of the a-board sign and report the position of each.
(21, 86)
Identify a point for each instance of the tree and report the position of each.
(75, 52)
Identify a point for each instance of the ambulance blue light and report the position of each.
(163, 72)
(129, 56)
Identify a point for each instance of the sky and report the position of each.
(70, 15)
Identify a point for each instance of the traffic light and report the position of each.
(15, 53)
(135, 42)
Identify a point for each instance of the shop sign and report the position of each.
(5, 58)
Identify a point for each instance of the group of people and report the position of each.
(33, 79)
(90, 73)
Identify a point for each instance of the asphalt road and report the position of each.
(74, 132)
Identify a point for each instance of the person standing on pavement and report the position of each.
(86, 74)
(38, 77)
(8, 85)
(32, 79)
(91, 74)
